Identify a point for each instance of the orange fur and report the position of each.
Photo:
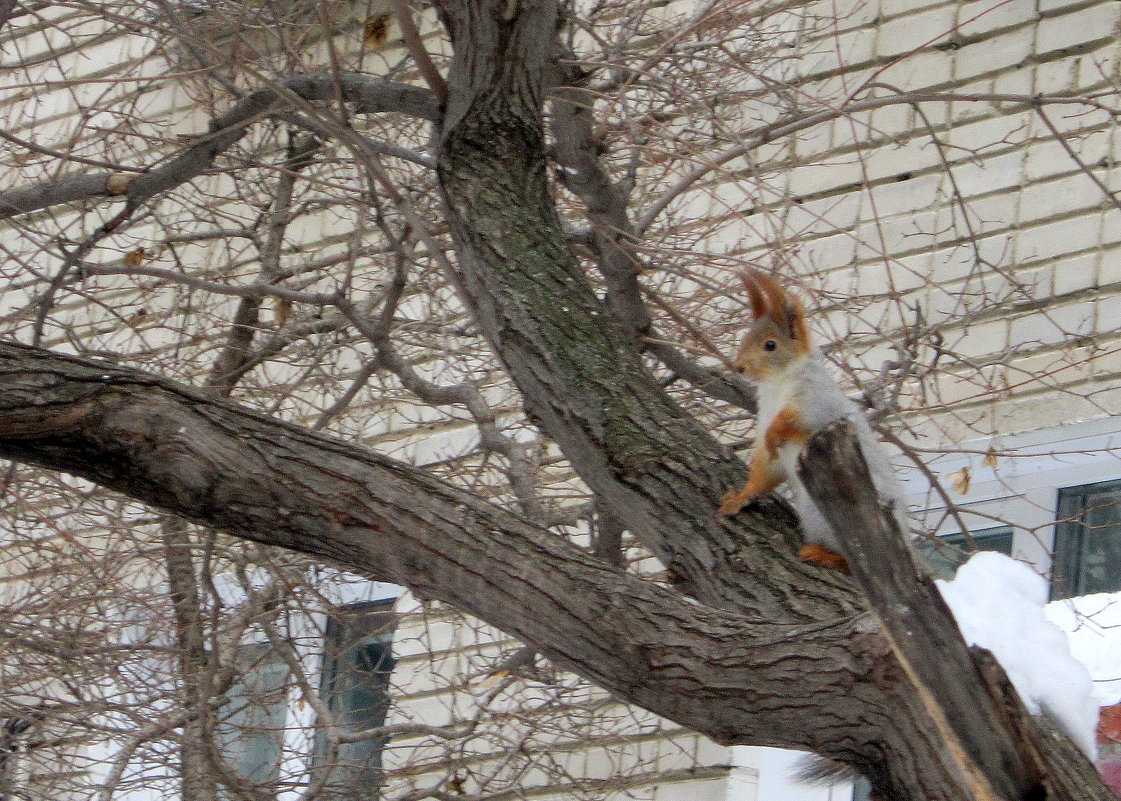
(761, 479)
(758, 301)
(786, 427)
(814, 554)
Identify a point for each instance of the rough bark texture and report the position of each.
(982, 725)
(717, 671)
(579, 372)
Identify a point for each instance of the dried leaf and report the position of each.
(493, 680)
(137, 317)
(960, 480)
(990, 459)
(134, 258)
(282, 310)
(376, 31)
(118, 182)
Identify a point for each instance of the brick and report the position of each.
(1074, 274)
(826, 17)
(828, 175)
(835, 53)
(923, 69)
(1075, 192)
(896, 275)
(1056, 77)
(1098, 68)
(998, 131)
(1108, 313)
(956, 262)
(990, 55)
(890, 8)
(826, 252)
(987, 215)
(824, 215)
(1046, 6)
(979, 339)
(698, 790)
(892, 161)
(1050, 159)
(882, 238)
(991, 174)
(1096, 23)
(912, 194)
(1053, 325)
(1055, 239)
(985, 16)
(812, 143)
(914, 30)
(1018, 82)
(1036, 283)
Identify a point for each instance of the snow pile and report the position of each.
(1093, 627)
(998, 604)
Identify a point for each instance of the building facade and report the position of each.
(936, 180)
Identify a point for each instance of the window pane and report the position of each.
(357, 663)
(250, 732)
(861, 790)
(1088, 540)
(945, 554)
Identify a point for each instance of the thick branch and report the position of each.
(211, 462)
(577, 367)
(614, 239)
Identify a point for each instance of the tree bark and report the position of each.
(982, 725)
(208, 461)
(579, 373)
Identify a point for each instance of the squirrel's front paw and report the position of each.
(732, 502)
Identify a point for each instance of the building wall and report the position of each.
(960, 210)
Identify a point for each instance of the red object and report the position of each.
(1109, 747)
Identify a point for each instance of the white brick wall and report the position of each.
(863, 205)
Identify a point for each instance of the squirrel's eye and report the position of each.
(769, 345)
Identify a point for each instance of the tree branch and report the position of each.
(979, 719)
(369, 94)
(216, 464)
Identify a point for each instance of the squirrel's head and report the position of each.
(777, 337)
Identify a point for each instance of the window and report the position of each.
(945, 554)
(250, 732)
(1087, 540)
(862, 790)
(357, 662)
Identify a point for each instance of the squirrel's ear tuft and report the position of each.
(795, 324)
(750, 280)
(776, 300)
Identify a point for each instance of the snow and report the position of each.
(1093, 627)
(999, 604)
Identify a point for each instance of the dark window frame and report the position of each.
(947, 552)
(357, 662)
(1072, 553)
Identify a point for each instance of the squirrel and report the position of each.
(796, 398)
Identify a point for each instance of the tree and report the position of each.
(514, 177)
